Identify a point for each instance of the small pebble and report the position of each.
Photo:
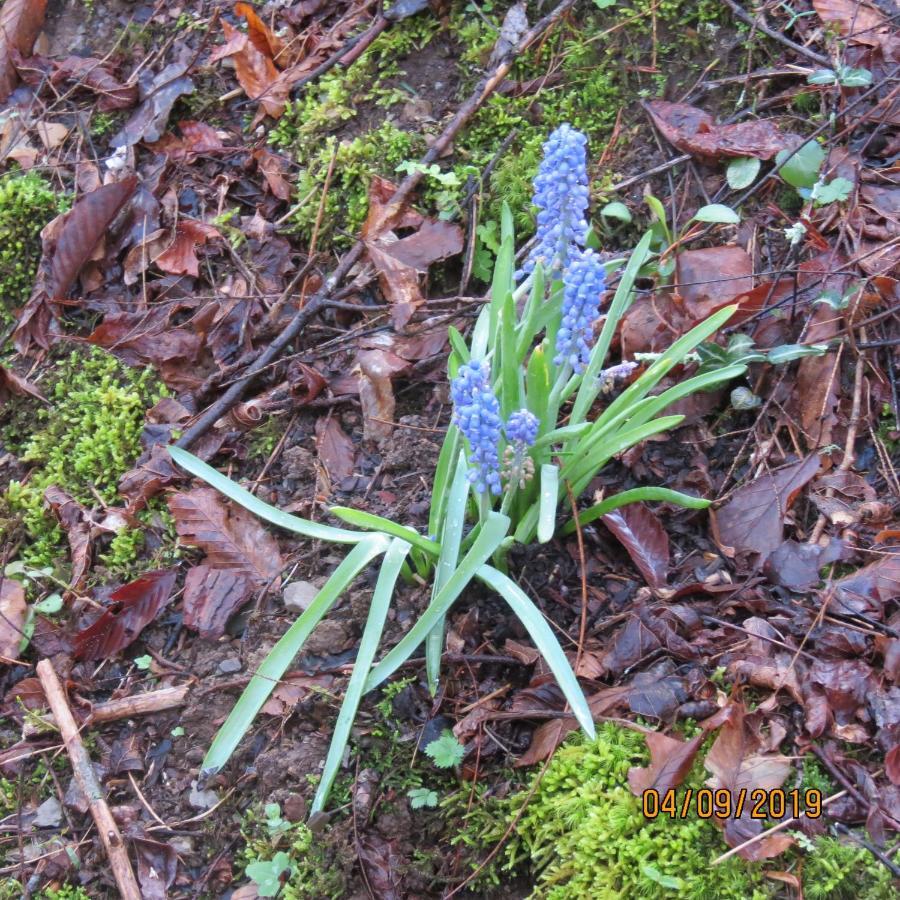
(48, 814)
(229, 666)
(299, 594)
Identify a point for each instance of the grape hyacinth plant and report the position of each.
(531, 427)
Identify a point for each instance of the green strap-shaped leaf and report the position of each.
(547, 503)
(545, 641)
(492, 532)
(276, 663)
(670, 358)
(635, 495)
(368, 647)
(443, 475)
(451, 538)
(371, 522)
(511, 381)
(259, 507)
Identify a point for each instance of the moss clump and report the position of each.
(27, 204)
(836, 871)
(585, 833)
(85, 441)
(582, 833)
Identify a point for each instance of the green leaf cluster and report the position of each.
(286, 859)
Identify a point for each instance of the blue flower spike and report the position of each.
(561, 196)
(477, 413)
(584, 282)
(521, 433)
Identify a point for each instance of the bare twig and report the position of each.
(87, 781)
(760, 23)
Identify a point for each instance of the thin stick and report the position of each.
(87, 781)
(393, 210)
(760, 23)
(139, 704)
(779, 827)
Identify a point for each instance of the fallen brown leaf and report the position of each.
(81, 229)
(10, 384)
(642, 535)
(230, 536)
(212, 596)
(132, 607)
(73, 518)
(20, 24)
(336, 451)
(180, 258)
(752, 519)
(693, 131)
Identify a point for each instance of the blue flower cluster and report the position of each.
(583, 284)
(522, 429)
(477, 413)
(561, 197)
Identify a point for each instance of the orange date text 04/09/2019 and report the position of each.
(708, 803)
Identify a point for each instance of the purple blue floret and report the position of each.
(477, 413)
(584, 282)
(561, 197)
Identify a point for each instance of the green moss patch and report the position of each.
(27, 204)
(85, 440)
(580, 832)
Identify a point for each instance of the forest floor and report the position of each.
(177, 183)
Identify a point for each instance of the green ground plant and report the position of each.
(85, 440)
(27, 204)
(287, 859)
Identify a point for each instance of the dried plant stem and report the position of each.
(849, 455)
(775, 828)
(83, 770)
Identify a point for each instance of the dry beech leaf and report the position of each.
(275, 170)
(241, 557)
(212, 596)
(132, 607)
(10, 384)
(376, 393)
(737, 764)
(752, 519)
(91, 74)
(82, 229)
(197, 138)
(20, 24)
(231, 537)
(73, 518)
(149, 120)
(693, 131)
(640, 532)
(861, 21)
(670, 762)
(262, 37)
(180, 257)
(336, 451)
